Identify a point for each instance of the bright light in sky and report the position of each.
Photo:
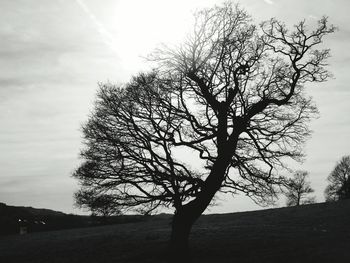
(53, 54)
(141, 26)
(136, 28)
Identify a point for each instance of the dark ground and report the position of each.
(312, 233)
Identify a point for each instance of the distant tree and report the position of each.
(299, 189)
(339, 181)
(99, 205)
(232, 96)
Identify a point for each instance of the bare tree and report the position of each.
(339, 181)
(99, 205)
(232, 95)
(299, 189)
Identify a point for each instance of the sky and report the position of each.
(54, 53)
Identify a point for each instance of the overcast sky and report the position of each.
(53, 54)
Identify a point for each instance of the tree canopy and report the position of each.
(299, 189)
(339, 181)
(230, 99)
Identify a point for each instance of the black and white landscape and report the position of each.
(181, 131)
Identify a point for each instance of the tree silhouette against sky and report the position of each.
(299, 190)
(223, 112)
(339, 181)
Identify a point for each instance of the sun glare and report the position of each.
(140, 26)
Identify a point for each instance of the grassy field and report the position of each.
(312, 233)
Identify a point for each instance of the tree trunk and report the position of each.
(185, 216)
(181, 228)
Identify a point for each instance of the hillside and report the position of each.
(25, 211)
(34, 219)
(39, 220)
(310, 233)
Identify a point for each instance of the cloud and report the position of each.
(270, 2)
(312, 17)
(107, 37)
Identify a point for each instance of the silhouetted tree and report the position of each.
(232, 96)
(298, 189)
(99, 204)
(339, 181)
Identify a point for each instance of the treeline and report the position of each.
(338, 188)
